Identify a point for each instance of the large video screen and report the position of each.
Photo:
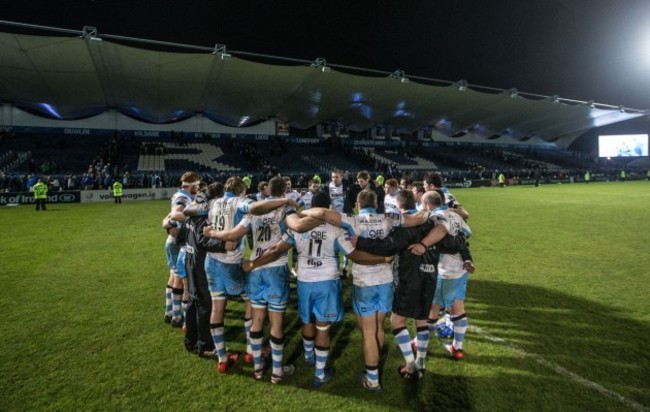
(624, 145)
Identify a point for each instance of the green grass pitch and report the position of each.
(559, 313)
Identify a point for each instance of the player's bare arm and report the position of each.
(365, 258)
(271, 254)
(301, 224)
(434, 236)
(265, 206)
(330, 216)
(232, 235)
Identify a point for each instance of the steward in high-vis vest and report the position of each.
(502, 180)
(40, 194)
(117, 191)
(247, 181)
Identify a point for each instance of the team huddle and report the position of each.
(412, 261)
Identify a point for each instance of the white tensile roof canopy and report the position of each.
(81, 76)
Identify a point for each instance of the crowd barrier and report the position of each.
(93, 196)
(88, 196)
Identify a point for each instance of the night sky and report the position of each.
(578, 49)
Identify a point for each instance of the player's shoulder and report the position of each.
(439, 216)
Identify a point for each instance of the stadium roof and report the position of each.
(68, 77)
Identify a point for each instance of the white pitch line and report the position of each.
(560, 370)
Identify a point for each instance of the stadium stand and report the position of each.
(91, 162)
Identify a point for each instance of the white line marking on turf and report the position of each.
(560, 370)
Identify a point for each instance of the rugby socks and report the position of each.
(422, 340)
(321, 359)
(460, 326)
(277, 352)
(372, 374)
(247, 326)
(308, 345)
(403, 340)
(216, 329)
(256, 340)
(431, 324)
(168, 300)
(177, 294)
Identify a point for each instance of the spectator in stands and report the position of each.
(56, 184)
(127, 180)
(31, 181)
(106, 181)
(87, 181)
(4, 182)
(302, 181)
(70, 184)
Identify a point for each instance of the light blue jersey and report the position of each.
(318, 251)
(369, 224)
(267, 230)
(226, 213)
